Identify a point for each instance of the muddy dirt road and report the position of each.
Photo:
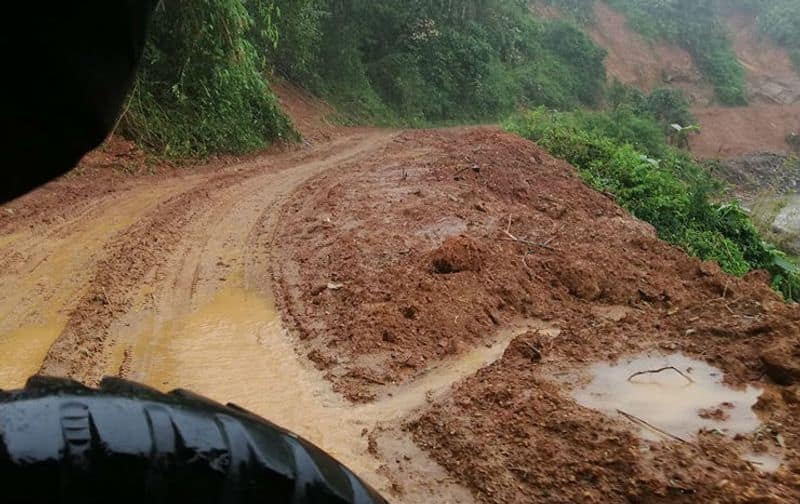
(450, 313)
(165, 281)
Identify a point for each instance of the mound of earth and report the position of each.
(386, 269)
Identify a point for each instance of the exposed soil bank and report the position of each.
(390, 265)
(773, 84)
(402, 264)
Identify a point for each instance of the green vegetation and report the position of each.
(581, 11)
(424, 62)
(624, 152)
(780, 19)
(202, 87)
(694, 25)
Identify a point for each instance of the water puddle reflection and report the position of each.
(763, 462)
(234, 349)
(670, 396)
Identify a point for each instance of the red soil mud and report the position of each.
(445, 239)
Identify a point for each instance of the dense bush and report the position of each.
(203, 85)
(780, 19)
(202, 88)
(616, 153)
(421, 61)
(696, 26)
(580, 10)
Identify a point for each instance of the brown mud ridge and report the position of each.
(455, 285)
(445, 240)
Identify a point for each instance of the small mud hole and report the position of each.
(686, 396)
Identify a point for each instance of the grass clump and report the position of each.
(621, 152)
(420, 62)
(202, 87)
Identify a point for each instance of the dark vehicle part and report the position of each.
(61, 442)
(67, 68)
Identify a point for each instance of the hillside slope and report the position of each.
(401, 263)
(773, 84)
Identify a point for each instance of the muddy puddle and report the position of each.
(36, 296)
(763, 462)
(23, 351)
(234, 349)
(670, 396)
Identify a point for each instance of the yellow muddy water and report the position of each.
(35, 298)
(23, 350)
(668, 400)
(234, 349)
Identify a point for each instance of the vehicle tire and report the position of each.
(62, 442)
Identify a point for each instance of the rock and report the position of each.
(580, 278)
(763, 172)
(457, 254)
(782, 362)
(787, 226)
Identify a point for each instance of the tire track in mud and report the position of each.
(210, 325)
(217, 252)
(79, 351)
(178, 227)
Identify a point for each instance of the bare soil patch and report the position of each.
(434, 245)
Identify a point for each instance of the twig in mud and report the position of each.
(473, 167)
(524, 257)
(372, 380)
(735, 301)
(462, 170)
(650, 426)
(656, 371)
(555, 235)
(530, 243)
(545, 245)
(537, 354)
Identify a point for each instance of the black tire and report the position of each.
(61, 442)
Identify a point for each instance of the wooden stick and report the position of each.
(650, 426)
(530, 243)
(656, 371)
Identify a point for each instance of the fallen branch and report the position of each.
(537, 354)
(545, 245)
(474, 167)
(650, 426)
(530, 243)
(656, 371)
